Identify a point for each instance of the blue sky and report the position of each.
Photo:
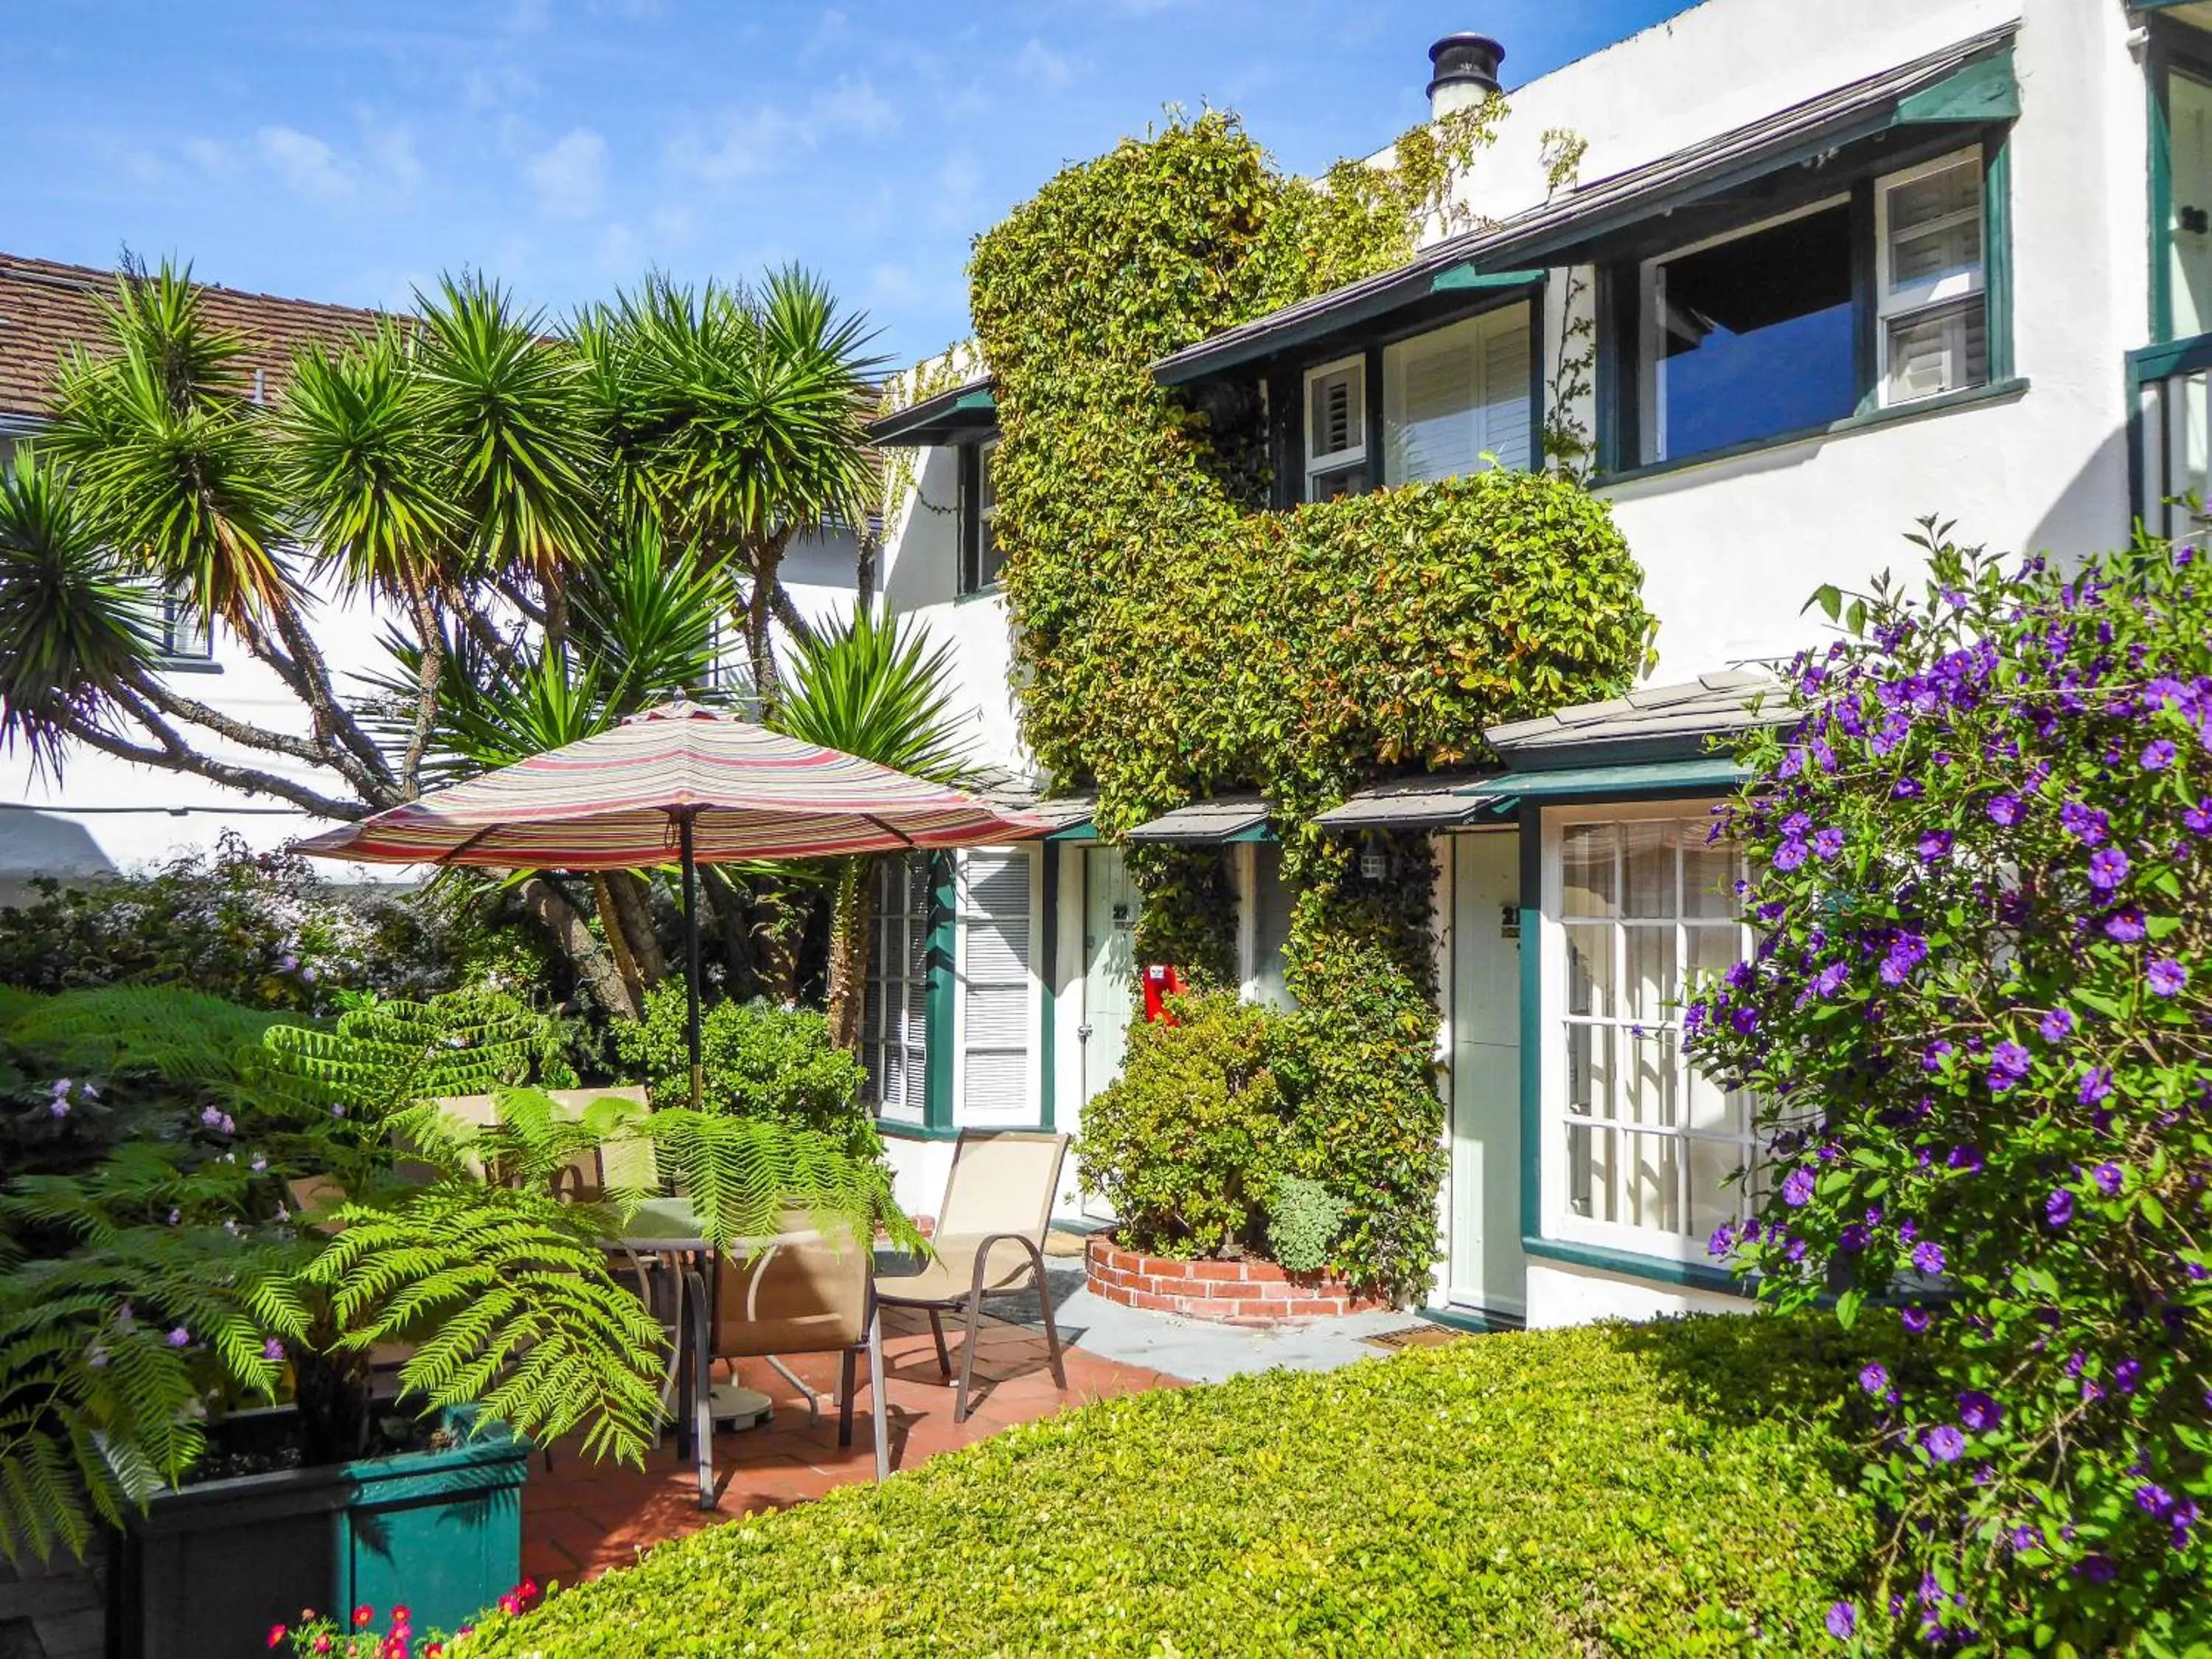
(349, 152)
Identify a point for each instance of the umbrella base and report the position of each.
(735, 1408)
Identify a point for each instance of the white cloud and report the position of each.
(766, 138)
(832, 28)
(211, 156)
(1041, 64)
(497, 87)
(853, 105)
(570, 176)
(957, 201)
(307, 166)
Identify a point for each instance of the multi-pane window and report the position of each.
(184, 633)
(1638, 1150)
(1456, 395)
(998, 996)
(894, 1018)
(1931, 279)
(1336, 430)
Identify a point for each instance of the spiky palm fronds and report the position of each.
(508, 1297)
(107, 1357)
(875, 685)
(73, 624)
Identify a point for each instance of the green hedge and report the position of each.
(1660, 1489)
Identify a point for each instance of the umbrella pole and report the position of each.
(690, 952)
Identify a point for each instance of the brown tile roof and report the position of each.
(46, 307)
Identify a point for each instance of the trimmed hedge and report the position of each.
(1670, 1488)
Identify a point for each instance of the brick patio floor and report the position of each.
(584, 1518)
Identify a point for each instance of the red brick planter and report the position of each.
(1227, 1292)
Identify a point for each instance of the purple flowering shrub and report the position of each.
(1977, 1024)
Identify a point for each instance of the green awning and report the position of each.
(954, 417)
(1583, 782)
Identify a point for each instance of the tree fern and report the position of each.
(741, 1175)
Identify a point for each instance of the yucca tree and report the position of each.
(735, 417)
(872, 685)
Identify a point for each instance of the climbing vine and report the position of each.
(953, 367)
(1175, 639)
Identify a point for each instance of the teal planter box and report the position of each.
(207, 1570)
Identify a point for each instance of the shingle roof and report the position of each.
(46, 307)
(1228, 817)
(1711, 704)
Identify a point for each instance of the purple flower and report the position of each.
(2003, 810)
(1928, 1256)
(2098, 1569)
(2167, 977)
(2009, 1064)
(1830, 979)
(211, 1117)
(2158, 755)
(1828, 843)
(2154, 1500)
(1908, 789)
(1968, 1158)
(1797, 1187)
(2125, 924)
(2199, 817)
(2096, 1085)
(1934, 844)
(1874, 1378)
(57, 1107)
(2108, 868)
(1943, 1443)
(1723, 1243)
(1978, 1412)
(178, 1337)
(1843, 1621)
(2126, 1375)
(273, 1349)
(1906, 952)
(1789, 854)
(1852, 1239)
(2058, 1208)
(2085, 824)
(1931, 1057)
(1916, 1320)
(2058, 1025)
(2107, 1178)
(1743, 1021)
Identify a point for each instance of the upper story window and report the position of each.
(979, 559)
(1452, 400)
(2184, 225)
(1456, 400)
(1872, 298)
(1336, 430)
(182, 631)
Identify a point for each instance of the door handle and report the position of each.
(1083, 1033)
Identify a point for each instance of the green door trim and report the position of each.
(937, 1002)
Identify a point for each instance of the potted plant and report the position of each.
(269, 1314)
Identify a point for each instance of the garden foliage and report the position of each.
(759, 1061)
(1176, 639)
(1665, 1490)
(1977, 1026)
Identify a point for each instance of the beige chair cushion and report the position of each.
(948, 1277)
(808, 1293)
(1002, 1182)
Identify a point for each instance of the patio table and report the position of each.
(668, 1228)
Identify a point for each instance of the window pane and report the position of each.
(2189, 114)
(1753, 337)
(1935, 351)
(1920, 202)
(1929, 256)
(1590, 1070)
(1590, 1172)
(1648, 858)
(1650, 986)
(1587, 852)
(1709, 874)
(1651, 1177)
(1711, 1108)
(1653, 1077)
(1713, 1197)
(1714, 949)
(1590, 969)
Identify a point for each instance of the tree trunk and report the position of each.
(852, 917)
(767, 562)
(611, 923)
(634, 904)
(727, 904)
(558, 915)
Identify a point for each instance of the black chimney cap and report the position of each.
(1469, 58)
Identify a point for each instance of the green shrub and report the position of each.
(1664, 1489)
(1186, 1143)
(758, 1061)
(1303, 1222)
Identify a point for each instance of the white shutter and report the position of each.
(1931, 298)
(1337, 413)
(998, 990)
(1455, 394)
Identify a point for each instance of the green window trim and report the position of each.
(2174, 48)
(937, 1004)
(1048, 979)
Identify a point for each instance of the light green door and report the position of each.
(1487, 1270)
(1109, 977)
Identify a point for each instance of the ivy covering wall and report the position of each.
(1176, 639)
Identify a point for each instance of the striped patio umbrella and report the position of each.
(677, 784)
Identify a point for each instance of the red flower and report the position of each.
(526, 1589)
(322, 1644)
(276, 1635)
(433, 1650)
(362, 1615)
(510, 1603)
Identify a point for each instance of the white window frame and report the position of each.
(1557, 1218)
(901, 981)
(1951, 288)
(1480, 328)
(1317, 467)
(187, 634)
(1651, 313)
